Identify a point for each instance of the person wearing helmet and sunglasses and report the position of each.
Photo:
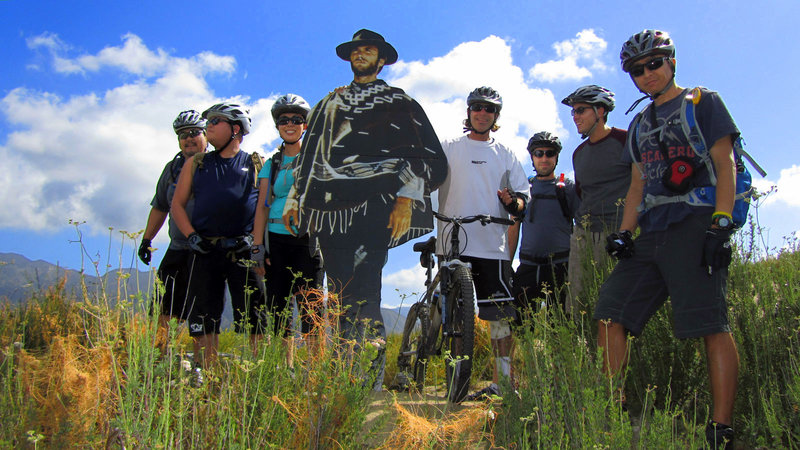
(485, 178)
(546, 230)
(173, 271)
(362, 185)
(601, 180)
(292, 263)
(223, 186)
(683, 250)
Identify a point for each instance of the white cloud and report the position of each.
(787, 192)
(405, 282)
(96, 156)
(441, 86)
(587, 48)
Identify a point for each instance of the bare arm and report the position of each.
(722, 157)
(182, 193)
(513, 239)
(155, 220)
(630, 216)
(260, 221)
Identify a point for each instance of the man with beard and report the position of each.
(362, 184)
(546, 229)
(174, 268)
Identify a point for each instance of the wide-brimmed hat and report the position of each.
(367, 37)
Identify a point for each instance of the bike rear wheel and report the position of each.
(461, 336)
(412, 359)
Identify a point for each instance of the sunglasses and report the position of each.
(653, 64)
(190, 134)
(540, 153)
(216, 120)
(579, 110)
(478, 107)
(296, 120)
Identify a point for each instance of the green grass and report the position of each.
(86, 374)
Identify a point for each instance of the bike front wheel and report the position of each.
(461, 334)
(412, 359)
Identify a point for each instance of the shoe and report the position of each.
(484, 394)
(719, 436)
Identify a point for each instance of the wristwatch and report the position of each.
(722, 222)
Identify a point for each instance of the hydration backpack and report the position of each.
(703, 195)
(561, 195)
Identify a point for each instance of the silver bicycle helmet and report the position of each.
(188, 119)
(485, 94)
(233, 112)
(646, 43)
(289, 103)
(544, 139)
(593, 95)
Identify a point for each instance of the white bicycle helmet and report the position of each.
(289, 103)
(233, 112)
(188, 119)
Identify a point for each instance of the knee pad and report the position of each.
(499, 329)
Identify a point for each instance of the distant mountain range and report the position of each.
(21, 278)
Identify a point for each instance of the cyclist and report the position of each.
(546, 229)
(601, 180)
(363, 182)
(683, 251)
(291, 262)
(485, 178)
(173, 271)
(222, 184)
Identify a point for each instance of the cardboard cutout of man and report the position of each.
(363, 179)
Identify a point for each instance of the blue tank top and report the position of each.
(224, 196)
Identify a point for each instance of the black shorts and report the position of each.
(174, 274)
(294, 267)
(209, 275)
(534, 283)
(667, 263)
(492, 279)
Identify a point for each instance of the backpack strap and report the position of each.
(692, 131)
(561, 195)
(274, 167)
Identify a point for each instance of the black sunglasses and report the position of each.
(653, 64)
(189, 134)
(477, 107)
(540, 153)
(296, 120)
(579, 110)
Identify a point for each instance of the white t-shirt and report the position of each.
(477, 170)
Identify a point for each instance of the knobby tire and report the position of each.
(413, 358)
(460, 343)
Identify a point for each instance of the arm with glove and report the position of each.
(717, 252)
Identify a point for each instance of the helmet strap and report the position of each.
(596, 121)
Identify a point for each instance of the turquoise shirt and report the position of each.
(280, 190)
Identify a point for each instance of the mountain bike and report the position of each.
(444, 318)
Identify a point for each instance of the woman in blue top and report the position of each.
(292, 264)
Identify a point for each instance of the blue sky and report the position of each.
(88, 91)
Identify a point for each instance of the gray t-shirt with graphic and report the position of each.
(714, 122)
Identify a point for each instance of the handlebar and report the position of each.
(484, 219)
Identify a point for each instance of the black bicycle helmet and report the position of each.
(544, 139)
(646, 43)
(593, 95)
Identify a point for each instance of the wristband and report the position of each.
(721, 214)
